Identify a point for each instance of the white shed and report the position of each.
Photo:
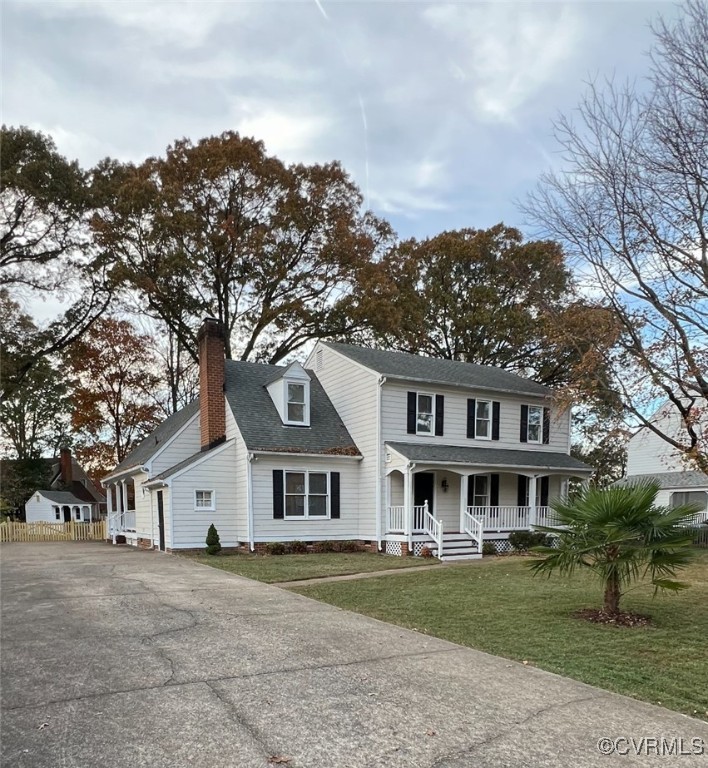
(58, 507)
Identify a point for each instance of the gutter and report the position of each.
(250, 458)
(380, 475)
(280, 454)
(535, 467)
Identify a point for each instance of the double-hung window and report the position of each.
(480, 490)
(483, 420)
(204, 500)
(425, 421)
(296, 404)
(306, 494)
(535, 424)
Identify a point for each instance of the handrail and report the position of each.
(434, 529)
(474, 528)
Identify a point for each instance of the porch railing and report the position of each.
(396, 517)
(119, 522)
(501, 518)
(433, 527)
(419, 518)
(474, 528)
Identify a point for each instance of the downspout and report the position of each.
(172, 517)
(379, 463)
(249, 501)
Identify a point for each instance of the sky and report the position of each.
(441, 112)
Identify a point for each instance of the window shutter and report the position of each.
(544, 491)
(278, 496)
(470, 490)
(546, 426)
(471, 414)
(439, 414)
(522, 491)
(412, 412)
(496, 408)
(494, 491)
(524, 431)
(334, 495)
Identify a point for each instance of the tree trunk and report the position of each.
(612, 595)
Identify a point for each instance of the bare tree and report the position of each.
(629, 206)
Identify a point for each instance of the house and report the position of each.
(650, 457)
(394, 450)
(69, 494)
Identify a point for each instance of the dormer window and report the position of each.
(297, 404)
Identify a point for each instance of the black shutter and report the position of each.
(495, 420)
(470, 491)
(471, 416)
(544, 491)
(524, 430)
(412, 412)
(522, 491)
(494, 491)
(278, 496)
(546, 425)
(439, 414)
(334, 491)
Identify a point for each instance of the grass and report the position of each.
(498, 606)
(275, 568)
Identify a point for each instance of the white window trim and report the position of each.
(488, 436)
(307, 515)
(306, 410)
(211, 508)
(417, 411)
(540, 425)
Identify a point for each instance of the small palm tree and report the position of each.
(620, 535)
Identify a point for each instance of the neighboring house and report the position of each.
(650, 457)
(394, 450)
(69, 495)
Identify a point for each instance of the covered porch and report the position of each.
(120, 499)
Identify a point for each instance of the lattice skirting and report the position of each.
(393, 548)
(418, 547)
(502, 545)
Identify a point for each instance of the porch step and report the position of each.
(457, 546)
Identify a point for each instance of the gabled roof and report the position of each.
(259, 421)
(432, 370)
(145, 450)
(678, 480)
(64, 497)
(489, 457)
(189, 461)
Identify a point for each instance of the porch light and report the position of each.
(445, 485)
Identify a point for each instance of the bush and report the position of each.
(489, 548)
(297, 548)
(349, 546)
(276, 548)
(522, 541)
(426, 552)
(326, 546)
(212, 541)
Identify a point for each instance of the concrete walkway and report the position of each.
(119, 658)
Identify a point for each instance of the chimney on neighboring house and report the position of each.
(212, 403)
(65, 468)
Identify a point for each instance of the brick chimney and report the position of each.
(212, 404)
(65, 468)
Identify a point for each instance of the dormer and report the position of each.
(290, 393)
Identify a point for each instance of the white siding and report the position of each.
(240, 474)
(41, 511)
(185, 444)
(189, 526)
(143, 516)
(266, 528)
(354, 392)
(394, 417)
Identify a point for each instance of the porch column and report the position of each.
(464, 483)
(109, 508)
(119, 501)
(532, 500)
(408, 511)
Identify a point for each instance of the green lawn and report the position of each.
(498, 606)
(274, 568)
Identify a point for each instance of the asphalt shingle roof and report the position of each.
(63, 497)
(259, 421)
(186, 462)
(436, 371)
(144, 450)
(493, 457)
(689, 479)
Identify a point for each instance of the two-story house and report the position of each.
(394, 450)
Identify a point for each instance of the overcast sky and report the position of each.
(441, 112)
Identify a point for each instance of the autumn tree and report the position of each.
(221, 228)
(629, 206)
(45, 245)
(113, 395)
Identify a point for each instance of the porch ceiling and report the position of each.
(490, 457)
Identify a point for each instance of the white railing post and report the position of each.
(532, 501)
(464, 483)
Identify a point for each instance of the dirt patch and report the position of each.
(598, 616)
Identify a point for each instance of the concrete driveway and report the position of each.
(114, 657)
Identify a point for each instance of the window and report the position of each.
(306, 494)
(204, 500)
(483, 420)
(57, 513)
(77, 513)
(535, 424)
(425, 421)
(480, 492)
(296, 403)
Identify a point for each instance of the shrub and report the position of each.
(426, 552)
(489, 548)
(212, 541)
(276, 548)
(326, 546)
(522, 541)
(297, 547)
(348, 546)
